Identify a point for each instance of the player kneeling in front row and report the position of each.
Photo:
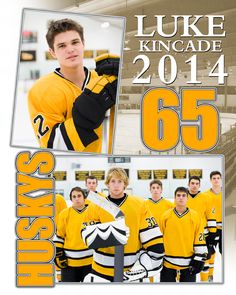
(72, 255)
(184, 242)
(134, 227)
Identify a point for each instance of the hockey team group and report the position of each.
(161, 241)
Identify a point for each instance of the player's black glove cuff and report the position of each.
(89, 108)
(196, 266)
(60, 258)
(211, 250)
(107, 64)
(211, 239)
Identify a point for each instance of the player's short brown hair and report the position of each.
(91, 177)
(181, 189)
(215, 173)
(77, 189)
(61, 26)
(155, 181)
(117, 173)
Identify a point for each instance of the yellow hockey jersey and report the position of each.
(218, 205)
(159, 207)
(204, 206)
(60, 204)
(183, 237)
(50, 103)
(68, 236)
(143, 233)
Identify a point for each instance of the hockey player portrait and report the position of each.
(72, 256)
(185, 247)
(134, 229)
(215, 193)
(157, 204)
(203, 204)
(69, 107)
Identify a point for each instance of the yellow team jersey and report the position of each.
(183, 237)
(218, 205)
(204, 206)
(68, 236)
(50, 103)
(143, 233)
(157, 208)
(60, 204)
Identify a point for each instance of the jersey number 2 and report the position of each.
(41, 130)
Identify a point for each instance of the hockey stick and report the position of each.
(116, 213)
(105, 133)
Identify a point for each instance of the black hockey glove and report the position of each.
(60, 258)
(211, 250)
(211, 239)
(107, 64)
(196, 266)
(90, 107)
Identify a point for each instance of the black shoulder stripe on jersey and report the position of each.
(155, 238)
(66, 138)
(157, 248)
(148, 228)
(181, 257)
(52, 136)
(200, 255)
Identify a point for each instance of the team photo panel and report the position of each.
(139, 219)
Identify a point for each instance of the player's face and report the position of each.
(77, 199)
(68, 49)
(116, 187)
(194, 186)
(216, 180)
(91, 184)
(156, 191)
(181, 199)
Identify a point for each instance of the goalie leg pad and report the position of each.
(107, 234)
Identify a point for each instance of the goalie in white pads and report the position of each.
(137, 230)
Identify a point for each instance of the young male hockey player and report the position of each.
(215, 193)
(67, 107)
(72, 255)
(157, 204)
(60, 205)
(183, 235)
(201, 203)
(139, 231)
(91, 183)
